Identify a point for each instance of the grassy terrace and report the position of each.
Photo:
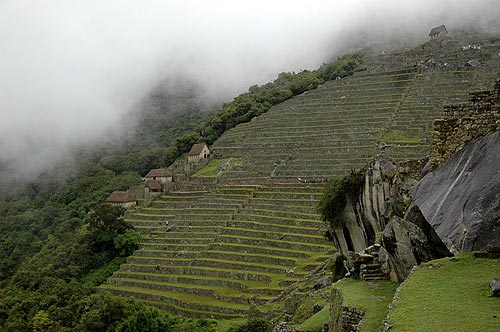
(215, 261)
(326, 132)
(372, 297)
(453, 295)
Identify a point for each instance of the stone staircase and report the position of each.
(369, 266)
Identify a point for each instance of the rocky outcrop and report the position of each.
(495, 287)
(461, 199)
(407, 245)
(367, 216)
(380, 214)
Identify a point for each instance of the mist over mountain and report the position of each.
(71, 72)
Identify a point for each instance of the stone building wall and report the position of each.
(342, 318)
(462, 123)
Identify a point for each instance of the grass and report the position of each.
(213, 168)
(186, 298)
(398, 138)
(371, 297)
(452, 297)
(223, 325)
(315, 323)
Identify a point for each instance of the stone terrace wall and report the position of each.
(465, 122)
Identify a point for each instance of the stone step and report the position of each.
(201, 204)
(257, 249)
(242, 265)
(228, 215)
(374, 278)
(175, 236)
(249, 257)
(316, 238)
(288, 221)
(190, 312)
(317, 230)
(199, 271)
(181, 251)
(299, 246)
(160, 242)
(195, 301)
(175, 278)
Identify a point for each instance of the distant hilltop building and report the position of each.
(198, 151)
(121, 198)
(438, 32)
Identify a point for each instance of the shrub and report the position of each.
(253, 325)
(336, 195)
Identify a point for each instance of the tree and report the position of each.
(127, 242)
(106, 218)
(42, 322)
(254, 325)
(335, 196)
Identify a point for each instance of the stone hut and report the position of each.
(160, 175)
(153, 186)
(121, 198)
(198, 151)
(438, 32)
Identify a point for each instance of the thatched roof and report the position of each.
(153, 185)
(196, 149)
(437, 30)
(159, 172)
(120, 197)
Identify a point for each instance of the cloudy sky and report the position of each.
(69, 70)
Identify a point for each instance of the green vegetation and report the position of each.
(315, 323)
(253, 325)
(372, 297)
(450, 294)
(336, 195)
(214, 167)
(398, 138)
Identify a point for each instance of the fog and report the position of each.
(71, 70)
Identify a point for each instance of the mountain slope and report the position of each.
(232, 231)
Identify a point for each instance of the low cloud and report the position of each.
(70, 70)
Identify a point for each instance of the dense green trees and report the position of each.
(253, 325)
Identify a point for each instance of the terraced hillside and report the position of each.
(321, 134)
(388, 109)
(223, 250)
(214, 253)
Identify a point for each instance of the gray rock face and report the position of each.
(368, 216)
(409, 242)
(461, 199)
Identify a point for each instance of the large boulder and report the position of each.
(461, 199)
(406, 243)
(495, 287)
